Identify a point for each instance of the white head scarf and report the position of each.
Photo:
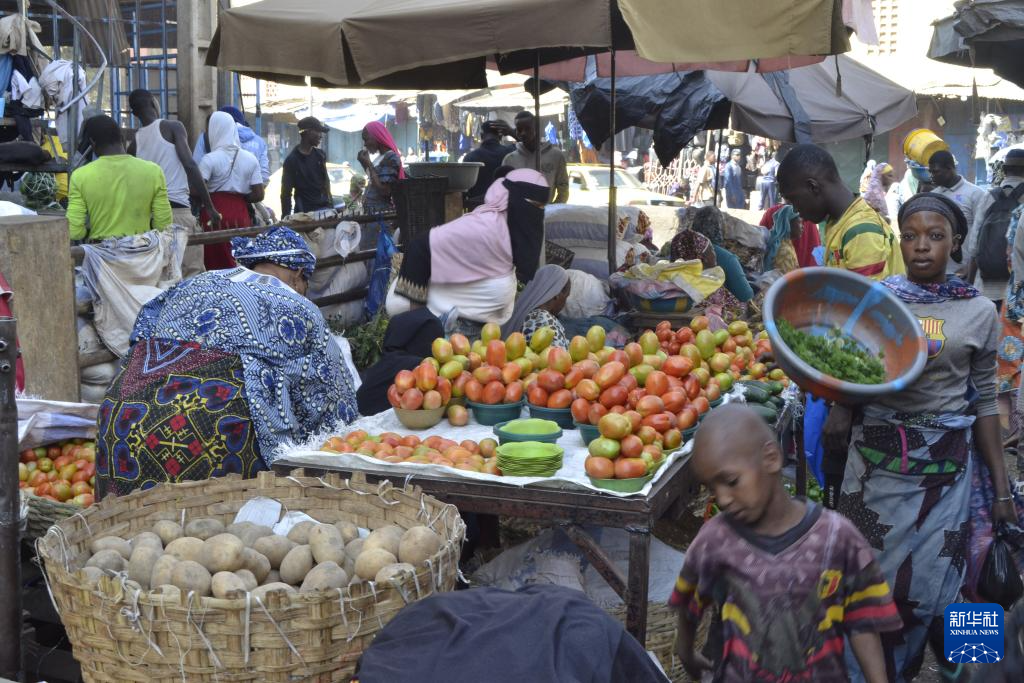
(223, 132)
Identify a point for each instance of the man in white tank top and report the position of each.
(165, 143)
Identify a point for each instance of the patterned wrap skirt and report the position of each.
(175, 412)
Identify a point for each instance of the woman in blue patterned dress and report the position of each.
(224, 368)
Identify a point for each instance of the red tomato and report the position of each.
(494, 393)
(657, 383)
(514, 392)
(560, 399)
(647, 435)
(393, 398)
(574, 377)
(474, 390)
(596, 412)
(673, 439)
(412, 399)
(551, 380)
(684, 335)
(610, 374)
(687, 417)
(660, 421)
(28, 456)
(701, 404)
(635, 354)
(631, 446)
(580, 410)
(674, 401)
(588, 389)
(649, 405)
(599, 468)
(629, 382)
(61, 461)
(692, 387)
(537, 396)
(614, 396)
(635, 418)
(496, 354)
(677, 366)
(614, 426)
(630, 468)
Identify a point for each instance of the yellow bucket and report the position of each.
(921, 143)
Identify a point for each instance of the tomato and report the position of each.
(635, 419)
(629, 382)
(412, 399)
(687, 417)
(691, 385)
(610, 374)
(619, 356)
(574, 377)
(613, 396)
(80, 487)
(61, 461)
(633, 398)
(393, 398)
(84, 499)
(713, 392)
(43, 489)
(630, 468)
(647, 435)
(412, 441)
(674, 401)
(677, 366)
(496, 354)
(53, 452)
(459, 385)
(580, 410)
(405, 380)
(486, 374)
(662, 422)
(615, 426)
(494, 393)
(588, 367)
(474, 390)
(673, 439)
(664, 334)
(657, 383)
(631, 446)
(514, 392)
(551, 380)
(560, 399)
(67, 472)
(634, 353)
(487, 447)
(684, 335)
(599, 468)
(44, 464)
(604, 448)
(426, 376)
(28, 456)
(701, 404)
(649, 405)
(596, 412)
(537, 396)
(588, 389)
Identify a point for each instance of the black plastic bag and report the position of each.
(1000, 580)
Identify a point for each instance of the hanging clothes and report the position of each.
(59, 86)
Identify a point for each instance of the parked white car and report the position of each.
(588, 185)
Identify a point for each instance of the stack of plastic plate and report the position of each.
(529, 459)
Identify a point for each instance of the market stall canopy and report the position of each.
(808, 104)
(983, 33)
(445, 44)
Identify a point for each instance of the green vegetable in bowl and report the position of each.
(834, 354)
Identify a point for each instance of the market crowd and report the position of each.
(916, 481)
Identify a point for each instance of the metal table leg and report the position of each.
(639, 576)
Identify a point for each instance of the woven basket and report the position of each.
(123, 635)
(661, 637)
(43, 513)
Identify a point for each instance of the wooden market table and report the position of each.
(567, 507)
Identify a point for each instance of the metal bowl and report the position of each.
(817, 300)
(461, 176)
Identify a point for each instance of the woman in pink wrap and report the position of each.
(382, 174)
(473, 262)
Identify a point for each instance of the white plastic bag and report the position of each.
(46, 422)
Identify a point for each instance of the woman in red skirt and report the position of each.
(234, 179)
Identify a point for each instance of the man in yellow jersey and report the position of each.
(856, 237)
(118, 194)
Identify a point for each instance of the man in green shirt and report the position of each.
(119, 194)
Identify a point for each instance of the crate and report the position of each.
(419, 205)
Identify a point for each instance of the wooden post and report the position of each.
(197, 96)
(10, 569)
(35, 259)
(453, 206)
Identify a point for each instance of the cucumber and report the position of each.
(777, 401)
(767, 413)
(775, 387)
(755, 392)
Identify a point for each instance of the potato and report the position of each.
(92, 576)
(300, 532)
(327, 545)
(248, 579)
(140, 566)
(393, 571)
(255, 563)
(238, 528)
(383, 539)
(123, 547)
(108, 560)
(204, 528)
(262, 591)
(162, 570)
(148, 539)
(296, 564)
(227, 585)
(418, 544)
(354, 548)
(273, 577)
(349, 566)
(372, 561)
(222, 553)
(185, 548)
(191, 577)
(349, 531)
(324, 576)
(168, 531)
(274, 548)
(252, 532)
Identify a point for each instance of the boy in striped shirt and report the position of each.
(790, 580)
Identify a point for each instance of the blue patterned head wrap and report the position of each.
(280, 245)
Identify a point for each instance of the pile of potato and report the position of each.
(206, 558)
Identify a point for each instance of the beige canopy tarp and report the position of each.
(444, 44)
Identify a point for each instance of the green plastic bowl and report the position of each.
(688, 434)
(717, 402)
(587, 433)
(633, 485)
(420, 419)
(505, 437)
(563, 416)
(492, 415)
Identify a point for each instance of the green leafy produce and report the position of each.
(834, 354)
(366, 340)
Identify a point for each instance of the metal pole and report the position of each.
(73, 122)
(10, 569)
(718, 155)
(536, 111)
(613, 214)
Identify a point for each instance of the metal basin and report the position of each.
(816, 300)
(461, 176)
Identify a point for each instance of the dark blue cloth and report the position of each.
(490, 153)
(735, 279)
(733, 182)
(539, 634)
